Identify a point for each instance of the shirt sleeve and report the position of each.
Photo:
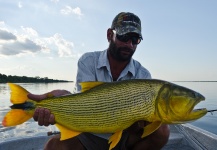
(141, 72)
(85, 72)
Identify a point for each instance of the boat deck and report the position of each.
(177, 141)
(189, 137)
(182, 137)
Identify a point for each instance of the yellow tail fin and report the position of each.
(17, 115)
(18, 94)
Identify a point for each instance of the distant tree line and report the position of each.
(23, 79)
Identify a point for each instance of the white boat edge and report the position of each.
(189, 137)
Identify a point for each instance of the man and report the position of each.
(114, 64)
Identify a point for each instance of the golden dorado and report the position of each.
(111, 107)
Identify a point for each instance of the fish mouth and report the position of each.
(198, 98)
(197, 113)
(199, 110)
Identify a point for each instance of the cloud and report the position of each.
(20, 5)
(55, 1)
(2, 23)
(5, 35)
(29, 31)
(14, 44)
(67, 10)
(63, 47)
(18, 47)
(27, 41)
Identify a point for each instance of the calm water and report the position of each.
(31, 128)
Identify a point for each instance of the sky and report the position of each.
(45, 38)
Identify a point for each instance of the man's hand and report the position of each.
(43, 115)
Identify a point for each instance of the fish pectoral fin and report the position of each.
(15, 117)
(66, 133)
(114, 139)
(150, 128)
(85, 86)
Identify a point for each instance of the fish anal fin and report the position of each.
(150, 128)
(85, 86)
(18, 94)
(66, 133)
(114, 139)
(15, 117)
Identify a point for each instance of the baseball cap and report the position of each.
(126, 22)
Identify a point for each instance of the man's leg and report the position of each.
(154, 141)
(55, 144)
(84, 141)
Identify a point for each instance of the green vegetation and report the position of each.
(23, 79)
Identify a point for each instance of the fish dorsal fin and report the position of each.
(114, 139)
(66, 133)
(150, 128)
(85, 86)
(18, 94)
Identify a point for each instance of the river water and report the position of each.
(31, 128)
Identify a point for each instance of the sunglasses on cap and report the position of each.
(126, 37)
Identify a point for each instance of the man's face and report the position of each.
(121, 51)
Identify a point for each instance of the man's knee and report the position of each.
(155, 141)
(165, 132)
(54, 143)
(161, 136)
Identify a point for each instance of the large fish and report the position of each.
(111, 107)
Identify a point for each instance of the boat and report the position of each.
(182, 137)
(189, 137)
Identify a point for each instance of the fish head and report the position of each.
(175, 104)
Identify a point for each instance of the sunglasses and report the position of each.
(126, 37)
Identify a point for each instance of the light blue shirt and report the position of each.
(94, 66)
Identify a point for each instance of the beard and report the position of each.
(120, 53)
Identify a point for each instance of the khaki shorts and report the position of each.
(93, 142)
